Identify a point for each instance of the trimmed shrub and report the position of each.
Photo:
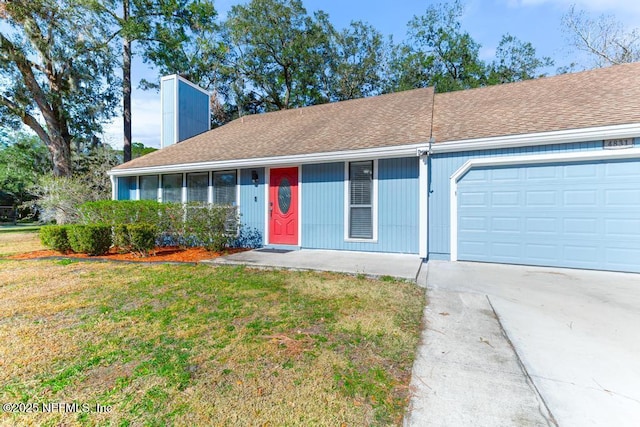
(92, 239)
(114, 212)
(211, 226)
(139, 238)
(55, 237)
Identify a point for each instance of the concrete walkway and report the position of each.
(574, 331)
(368, 263)
(466, 372)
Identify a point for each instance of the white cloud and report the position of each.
(145, 118)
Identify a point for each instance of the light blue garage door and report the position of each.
(581, 215)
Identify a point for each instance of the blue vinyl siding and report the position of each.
(323, 212)
(442, 166)
(127, 188)
(252, 200)
(193, 107)
(168, 88)
(580, 215)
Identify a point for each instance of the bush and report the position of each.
(114, 212)
(214, 227)
(193, 224)
(90, 239)
(139, 238)
(55, 237)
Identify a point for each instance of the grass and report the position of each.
(19, 241)
(194, 345)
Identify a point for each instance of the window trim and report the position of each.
(347, 203)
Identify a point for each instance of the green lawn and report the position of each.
(196, 345)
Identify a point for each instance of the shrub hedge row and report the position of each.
(141, 225)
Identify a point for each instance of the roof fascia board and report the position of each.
(336, 156)
(541, 138)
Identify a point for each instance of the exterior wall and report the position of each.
(185, 111)
(193, 111)
(442, 166)
(252, 200)
(168, 100)
(323, 211)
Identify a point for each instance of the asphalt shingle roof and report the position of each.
(600, 97)
(389, 120)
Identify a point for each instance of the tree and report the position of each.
(438, 53)
(22, 163)
(515, 61)
(277, 52)
(356, 60)
(174, 35)
(56, 74)
(604, 39)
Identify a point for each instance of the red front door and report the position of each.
(283, 206)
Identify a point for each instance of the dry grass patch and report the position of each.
(18, 242)
(193, 345)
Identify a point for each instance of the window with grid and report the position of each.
(198, 187)
(361, 200)
(149, 187)
(172, 188)
(224, 188)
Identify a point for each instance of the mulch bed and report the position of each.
(160, 254)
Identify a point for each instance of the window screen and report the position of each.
(224, 188)
(198, 187)
(172, 188)
(361, 200)
(149, 187)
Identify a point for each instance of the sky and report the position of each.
(534, 21)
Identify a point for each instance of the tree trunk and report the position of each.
(60, 155)
(126, 87)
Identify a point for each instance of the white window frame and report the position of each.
(374, 203)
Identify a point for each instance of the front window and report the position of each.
(361, 200)
(224, 188)
(149, 187)
(198, 187)
(172, 188)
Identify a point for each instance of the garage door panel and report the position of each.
(623, 197)
(540, 198)
(541, 252)
(580, 198)
(565, 215)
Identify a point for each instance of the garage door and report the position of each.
(581, 215)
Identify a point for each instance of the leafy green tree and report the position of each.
(516, 61)
(438, 53)
(56, 74)
(356, 60)
(176, 36)
(22, 163)
(277, 53)
(138, 149)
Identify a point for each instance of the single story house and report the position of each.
(541, 172)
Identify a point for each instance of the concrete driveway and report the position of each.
(576, 333)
